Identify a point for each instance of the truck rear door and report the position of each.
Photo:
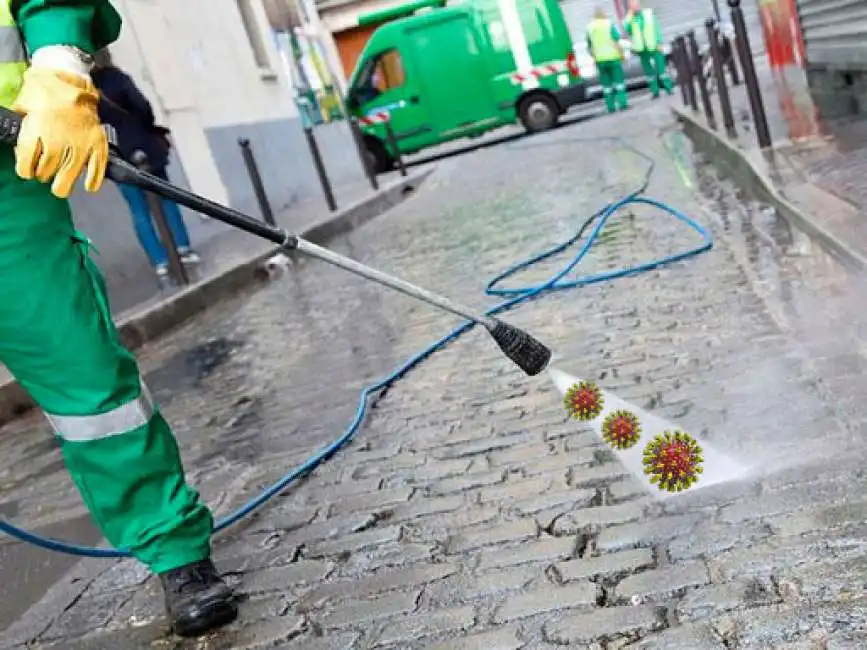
(449, 64)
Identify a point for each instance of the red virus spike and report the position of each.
(621, 429)
(584, 401)
(673, 461)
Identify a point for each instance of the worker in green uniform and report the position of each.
(603, 44)
(643, 30)
(56, 332)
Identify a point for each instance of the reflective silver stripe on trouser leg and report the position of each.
(11, 48)
(125, 418)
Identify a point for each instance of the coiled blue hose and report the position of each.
(515, 296)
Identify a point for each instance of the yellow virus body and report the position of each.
(584, 401)
(673, 461)
(621, 429)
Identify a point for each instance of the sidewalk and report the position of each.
(231, 262)
(813, 174)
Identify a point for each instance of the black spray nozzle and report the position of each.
(527, 353)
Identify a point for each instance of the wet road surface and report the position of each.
(469, 513)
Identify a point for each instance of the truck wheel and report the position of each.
(377, 156)
(538, 112)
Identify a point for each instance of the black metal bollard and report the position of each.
(256, 180)
(754, 93)
(320, 168)
(392, 142)
(362, 153)
(686, 61)
(702, 81)
(722, 88)
(176, 267)
(678, 66)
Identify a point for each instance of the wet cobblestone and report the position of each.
(468, 513)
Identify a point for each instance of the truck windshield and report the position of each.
(382, 73)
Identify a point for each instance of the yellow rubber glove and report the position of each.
(61, 134)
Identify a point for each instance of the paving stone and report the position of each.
(597, 476)
(484, 445)
(712, 540)
(501, 639)
(605, 566)
(286, 577)
(683, 637)
(359, 612)
(489, 583)
(466, 482)
(610, 621)
(547, 549)
(559, 500)
(372, 500)
(511, 531)
(550, 598)
(789, 500)
(371, 585)
(662, 582)
(420, 506)
(578, 520)
(340, 641)
(521, 454)
(646, 533)
(514, 490)
(423, 624)
(712, 600)
(354, 542)
(626, 489)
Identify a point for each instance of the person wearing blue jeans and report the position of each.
(147, 234)
(123, 106)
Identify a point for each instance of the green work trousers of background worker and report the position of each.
(613, 84)
(58, 339)
(643, 30)
(653, 64)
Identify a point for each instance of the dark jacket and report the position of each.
(126, 109)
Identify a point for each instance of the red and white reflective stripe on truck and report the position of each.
(376, 118)
(554, 67)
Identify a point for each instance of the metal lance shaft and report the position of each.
(525, 351)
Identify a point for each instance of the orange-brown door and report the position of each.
(350, 43)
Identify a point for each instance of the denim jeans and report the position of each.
(144, 226)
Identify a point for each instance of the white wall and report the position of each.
(193, 60)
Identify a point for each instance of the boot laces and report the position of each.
(193, 576)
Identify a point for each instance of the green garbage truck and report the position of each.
(436, 71)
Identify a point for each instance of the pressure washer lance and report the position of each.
(526, 352)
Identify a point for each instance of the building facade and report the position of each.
(213, 74)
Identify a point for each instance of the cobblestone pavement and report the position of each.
(468, 513)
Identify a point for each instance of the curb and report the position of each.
(139, 328)
(744, 170)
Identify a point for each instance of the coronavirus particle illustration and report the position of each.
(673, 461)
(584, 401)
(621, 429)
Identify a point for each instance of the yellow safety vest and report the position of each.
(13, 56)
(646, 38)
(603, 48)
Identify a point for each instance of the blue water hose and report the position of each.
(514, 296)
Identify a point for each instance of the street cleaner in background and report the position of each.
(644, 32)
(57, 336)
(603, 44)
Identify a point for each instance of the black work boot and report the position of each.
(197, 599)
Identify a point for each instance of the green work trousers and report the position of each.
(613, 87)
(58, 339)
(653, 64)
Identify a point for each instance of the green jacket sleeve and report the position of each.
(615, 34)
(88, 25)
